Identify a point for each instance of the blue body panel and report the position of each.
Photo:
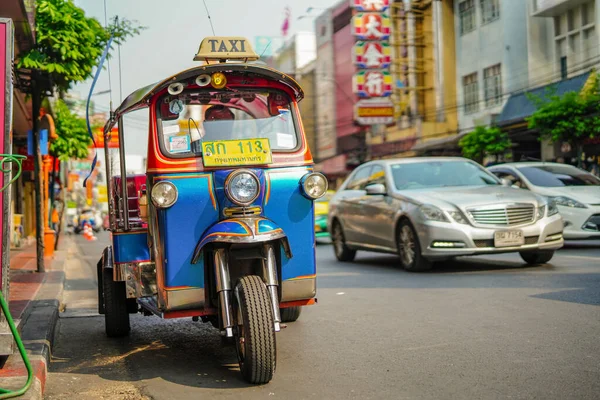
(195, 217)
(183, 224)
(291, 211)
(130, 247)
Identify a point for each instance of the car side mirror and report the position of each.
(376, 189)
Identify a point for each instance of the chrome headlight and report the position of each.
(458, 217)
(433, 213)
(164, 194)
(567, 202)
(242, 187)
(552, 209)
(541, 212)
(314, 185)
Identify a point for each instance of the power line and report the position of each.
(209, 18)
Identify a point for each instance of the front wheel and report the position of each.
(342, 251)
(290, 314)
(409, 249)
(254, 330)
(538, 257)
(116, 310)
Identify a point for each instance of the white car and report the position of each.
(576, 193)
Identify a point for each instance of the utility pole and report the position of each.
(37, 170)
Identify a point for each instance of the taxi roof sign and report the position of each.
(225, 48)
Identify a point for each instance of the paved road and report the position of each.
(485, 328)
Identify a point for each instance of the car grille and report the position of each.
(504, 216)
(481, 243)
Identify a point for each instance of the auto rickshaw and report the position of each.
(221, 225)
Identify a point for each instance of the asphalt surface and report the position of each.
(477, 328)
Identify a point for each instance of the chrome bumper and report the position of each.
(543, 235)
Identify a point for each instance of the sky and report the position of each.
(174, 31)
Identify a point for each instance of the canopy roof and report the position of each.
(140, 98)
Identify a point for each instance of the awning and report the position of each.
(518, 106)
(439, 143)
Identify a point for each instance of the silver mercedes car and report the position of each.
(433, 209)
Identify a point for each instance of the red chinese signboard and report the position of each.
(372, 54)
(371, 5)
(99, 138)
(372, 26)
(373, 83)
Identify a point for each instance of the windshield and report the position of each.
(432, 174)
(190, 118)
(558, 176)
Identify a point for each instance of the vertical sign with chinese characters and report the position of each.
(372, 81)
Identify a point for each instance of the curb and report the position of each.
(38, 326)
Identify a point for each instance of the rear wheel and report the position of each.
(254, 330)
(409, 249)
(538, 257)
(290, 314)
(116, 313)
(342, 252)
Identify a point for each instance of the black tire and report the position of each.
(409, 249)
(342, 252)
(538, 257)
(116, 315)
(254, 330)
(290, 314)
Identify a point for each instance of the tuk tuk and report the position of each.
(221, 225)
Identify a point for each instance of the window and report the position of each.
(359, 179)
(559, 176)
(466, 11)
(590, 43)
(493, 85)
(193, 117)
(557, 25)
(434, 174)
(570, 20)
(588, 13)
(490, 10)
(471, 93)
(563, 68)
(377, 176)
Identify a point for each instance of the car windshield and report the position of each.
(432, 174)
(192, 117)
(558, 176)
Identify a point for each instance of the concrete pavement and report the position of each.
(475, 328)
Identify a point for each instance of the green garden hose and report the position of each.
(5, 393)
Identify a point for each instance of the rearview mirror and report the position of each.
(506, 182)
(376, 189)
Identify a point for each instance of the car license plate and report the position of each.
(508, 238)
(228, 153)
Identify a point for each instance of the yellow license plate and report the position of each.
(227, 153)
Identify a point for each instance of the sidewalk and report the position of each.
(34, 301)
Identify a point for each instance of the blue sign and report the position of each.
(43, 142)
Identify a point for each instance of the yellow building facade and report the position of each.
(424, 70)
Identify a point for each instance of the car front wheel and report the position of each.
(538, 257)
(342, 252)
(409, 249)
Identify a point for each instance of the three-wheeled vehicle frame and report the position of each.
(221, 225)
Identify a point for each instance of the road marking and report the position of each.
(340, 293)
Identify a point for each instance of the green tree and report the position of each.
(69, 44)
(484, 141)
(572, 117)
(73, 138)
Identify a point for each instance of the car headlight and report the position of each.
(433, 213)
(164, 194)
(314, 185)
(242, 187)
(541, 212)
(458, 217)
(567, 202)
(552, 209)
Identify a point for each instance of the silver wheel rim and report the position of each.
(338, 239)
(407, 245)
